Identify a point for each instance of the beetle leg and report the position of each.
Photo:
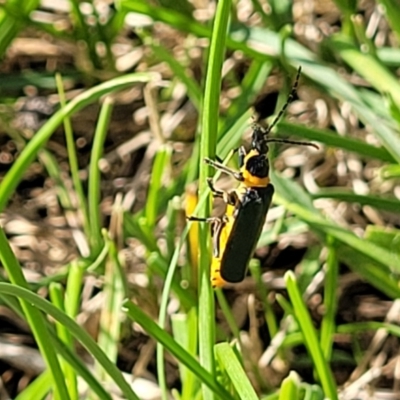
(215, 164)
(230, 197)
(218, 224)
(216, 233)
(199, 219)
(216, 192)
(218, 227)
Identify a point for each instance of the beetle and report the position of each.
(235, 234)
(243, 231)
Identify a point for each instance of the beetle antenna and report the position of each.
(288, 101)
(300, 143)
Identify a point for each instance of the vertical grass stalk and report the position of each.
(209, 126)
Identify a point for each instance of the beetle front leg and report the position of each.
(215, 164)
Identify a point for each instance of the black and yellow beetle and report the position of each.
(235, 235)
(238, 238)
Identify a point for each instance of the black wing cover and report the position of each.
(249, 220)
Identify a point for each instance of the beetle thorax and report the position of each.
(255, 169)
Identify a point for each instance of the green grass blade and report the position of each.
(269, 315)
(193, 89)
(310, 337)
(228, 361)
(160, 165)
(53, 169)
(37, 389)
(392, 14)
(330, 303)
(227, 312)
(94, 194)
(290, 388)
(176, 19)
(357, 327)
(56, 296)
(74, 285)
(391, 205)
(184, 328)
(332, 139)
(133, 226)
(83, 32)
(234, 134)
(13, 16)
(386, 237)
(169, 279)
(209, 126)
(73, 159)
(158, 265)
(114, 292)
